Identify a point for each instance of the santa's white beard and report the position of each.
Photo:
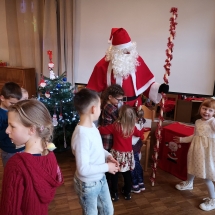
(123, 64)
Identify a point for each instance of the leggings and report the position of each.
(127, 182)
(209, 184)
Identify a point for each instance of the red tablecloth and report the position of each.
(172, 156)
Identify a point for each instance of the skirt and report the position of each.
(125, 159)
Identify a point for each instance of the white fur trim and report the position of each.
(153, 93)
(123, 46)
(119, 80)
(143, 88)
(109, 74)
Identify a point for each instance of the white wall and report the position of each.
(147, 22)
(4, 54)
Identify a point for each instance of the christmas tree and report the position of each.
(57, 95)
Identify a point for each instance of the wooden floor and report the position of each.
(163, 198)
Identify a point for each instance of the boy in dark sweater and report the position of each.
(10, 94)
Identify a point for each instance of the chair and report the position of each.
(149, 115)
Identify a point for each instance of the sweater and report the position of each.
(89, 153)
(120, 143)
(5, 142)
(29, 184)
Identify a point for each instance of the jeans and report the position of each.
(94, 197)
(5, 156)
(137, 172)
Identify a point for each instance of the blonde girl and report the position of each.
(122, 131)
(201, 154)
(30, 177)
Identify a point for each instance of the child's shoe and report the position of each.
(184, 185)
(114, 197)
(127, 196)
(142, 187)
(208, 205)
(135, 189)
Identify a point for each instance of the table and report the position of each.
(173, 157)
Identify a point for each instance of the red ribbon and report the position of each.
(49, 52)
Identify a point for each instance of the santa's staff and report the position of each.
(167, 65)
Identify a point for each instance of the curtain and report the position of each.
(66, 38)
(36, 26)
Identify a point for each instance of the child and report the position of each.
(30, 177)
(201, 154)
(110, 100)
(10, 94)
(122, 131)
(24, 94)
(137, 172)
(89, 180)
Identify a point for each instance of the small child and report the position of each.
(30, 177)
(201, 154)
(92, 160)
(122, 131)
(10, 95)
(137, 173)
(24, 94)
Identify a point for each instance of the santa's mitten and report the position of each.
(164, 88)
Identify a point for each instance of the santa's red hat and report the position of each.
(120, 38)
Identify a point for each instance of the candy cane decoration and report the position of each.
(167, 66)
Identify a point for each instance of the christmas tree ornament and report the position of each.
(59, 85)
(54, 120)
(60, 117)
(64, 79)
(52, 75)
(47, 95)
(42, 83)
(51, 65)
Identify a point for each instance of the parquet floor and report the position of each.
(163, 198)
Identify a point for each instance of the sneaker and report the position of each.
(135, 189)
(184, 185)
(114, 197)
(126, 196)
(208, 205)
(142, 187)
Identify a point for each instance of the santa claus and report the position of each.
(122, 65)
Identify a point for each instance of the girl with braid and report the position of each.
(30, 177)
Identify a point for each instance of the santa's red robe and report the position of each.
(142, 81)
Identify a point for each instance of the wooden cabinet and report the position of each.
(24, 77)
(187, 111)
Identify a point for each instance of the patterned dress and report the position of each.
(201, 154)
